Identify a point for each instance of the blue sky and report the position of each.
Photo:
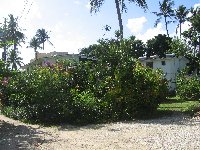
(71, 26)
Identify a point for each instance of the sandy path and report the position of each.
(177, 132)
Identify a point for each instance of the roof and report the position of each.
(157, 57)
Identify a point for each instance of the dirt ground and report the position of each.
(176, 132)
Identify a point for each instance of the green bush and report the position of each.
(115, 87)
(44, 95)
(137, 92)
(188, 87)
(86, 107)
(5, 75)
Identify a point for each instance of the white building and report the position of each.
(170, 66)
(51, 58)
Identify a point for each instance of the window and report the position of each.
(149, 64)
(163, 63)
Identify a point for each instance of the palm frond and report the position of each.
(140, 3)
(95, 5)
(157, 21)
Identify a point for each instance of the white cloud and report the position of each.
(136, 24)
(184, 27)
(66, 14)
(197, 5)
(88, 5)
(64, 40)
(10, 7)
(151, 32)
(77, 2)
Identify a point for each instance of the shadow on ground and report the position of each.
(20, 137)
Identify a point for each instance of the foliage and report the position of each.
(138, 91)
(41, 96)
(13, 59)
(11, 34)
(5, 75)
(159, 45)
(188, 87)
(35, 44)
(166, 11)
(42, 35)
(86, 107)
(181, 15)
(131, 47)
(178, 47)
(114, 87)
(192, 39)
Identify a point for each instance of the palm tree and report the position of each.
(181, 15)
(35, 44)
(42, 36)
(166, 11)
(14, 33)
(96, 4)
(13, 59)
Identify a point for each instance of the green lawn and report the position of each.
(175, 104)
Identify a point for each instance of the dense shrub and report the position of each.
(41, 95)
(114, 87)
(5, 75)
(188, 87)
(137, 92)
(87, 108)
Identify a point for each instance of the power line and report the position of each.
(29, 9)
(24, 8)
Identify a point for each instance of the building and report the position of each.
(52, 58)
(170, 66)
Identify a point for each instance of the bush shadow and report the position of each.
(14, 137)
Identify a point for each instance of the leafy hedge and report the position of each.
(82, 95)
(188, 87)
(137, 92)
(40, 96)
(115, 87)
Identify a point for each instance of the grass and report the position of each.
(176, 104)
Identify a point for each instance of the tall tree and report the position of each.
(3, 43)
(166, 11)
(14, 33)
(43, 36)
(14, 60)
(192, 35)
(158, 45)
(120, 7)
(35, 44)
(10, 34)
(181, 15)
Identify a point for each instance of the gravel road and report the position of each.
(175, 132)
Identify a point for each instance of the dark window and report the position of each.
(163, 63)
(149, 64)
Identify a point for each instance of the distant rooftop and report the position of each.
(156, 56)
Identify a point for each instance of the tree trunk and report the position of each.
(43, 45)
(119, 19)
(180, 30)
(4, 53)
(35, 54)
(166, 26)
(15, 46)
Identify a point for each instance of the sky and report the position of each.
(71, 26)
